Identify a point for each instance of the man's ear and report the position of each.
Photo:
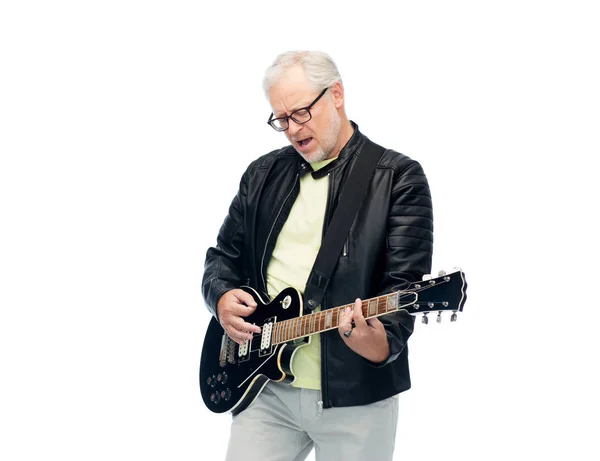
(337, 92)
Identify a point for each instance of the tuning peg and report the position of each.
(453, 317)
(427, 277)
(439, 317)
(425, 319)
(441, 273)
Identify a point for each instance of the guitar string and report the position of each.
(382, 301)
(335, 311)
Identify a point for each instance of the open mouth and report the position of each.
(304, 142)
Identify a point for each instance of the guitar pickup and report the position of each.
(244, 351)
(266, 340)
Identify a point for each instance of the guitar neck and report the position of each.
(444, 293)
(317, 322)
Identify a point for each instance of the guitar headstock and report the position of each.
(445, 292)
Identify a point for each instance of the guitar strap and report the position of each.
(352, 196)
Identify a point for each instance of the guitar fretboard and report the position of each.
(317, 322)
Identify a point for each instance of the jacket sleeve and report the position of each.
(409, 248)
(223, 268)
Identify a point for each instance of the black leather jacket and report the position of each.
(390, 244)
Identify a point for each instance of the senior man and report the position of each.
(343, 400)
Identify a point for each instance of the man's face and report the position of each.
(316, 139)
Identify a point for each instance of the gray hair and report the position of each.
(320, 69)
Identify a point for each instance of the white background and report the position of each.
(124, 129)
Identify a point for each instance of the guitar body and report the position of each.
(232, 376)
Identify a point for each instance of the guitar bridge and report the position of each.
(229, 349)
(224, 351)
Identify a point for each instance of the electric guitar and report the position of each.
(233, 375)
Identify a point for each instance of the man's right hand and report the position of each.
(231, 308)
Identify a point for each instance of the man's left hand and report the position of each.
(368, 336)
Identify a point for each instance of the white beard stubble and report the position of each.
(328, 140)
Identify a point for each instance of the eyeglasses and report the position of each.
(300, 116)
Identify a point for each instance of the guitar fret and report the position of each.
(328, 317)
(372, 307)
(392, 302)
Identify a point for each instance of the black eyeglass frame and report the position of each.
(272, 120)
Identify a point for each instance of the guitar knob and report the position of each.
(425, 319)
(226, 394)
(222, 377)
(215, 397)
(212, 381)
(453, 317)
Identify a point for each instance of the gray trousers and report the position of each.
(284, 424)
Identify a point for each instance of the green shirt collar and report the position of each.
(316, 166)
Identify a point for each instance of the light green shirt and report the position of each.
(293, 258)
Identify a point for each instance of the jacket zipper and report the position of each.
(262, 260)
(324, 386)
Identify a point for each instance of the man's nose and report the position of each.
(293, 127)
